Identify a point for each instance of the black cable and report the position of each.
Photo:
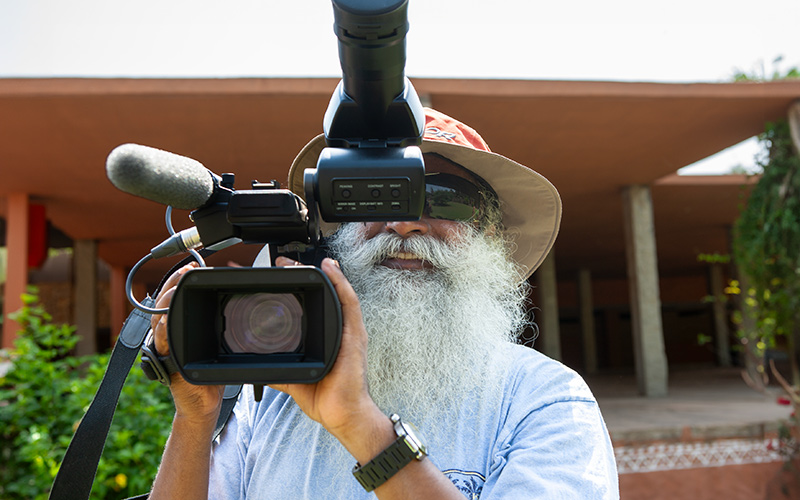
(173, 248)
(129, 289)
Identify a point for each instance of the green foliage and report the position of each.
(703, 339)
(42, 399)
(762, 74)
(714, 258)
(767, 239)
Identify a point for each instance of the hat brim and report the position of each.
(530, 204)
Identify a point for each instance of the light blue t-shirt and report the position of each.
(545, 438)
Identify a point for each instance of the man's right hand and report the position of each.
(195, 403)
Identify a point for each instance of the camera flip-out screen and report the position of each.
(254, 325)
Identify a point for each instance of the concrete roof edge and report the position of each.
(20, 87)
(565, 88)
(14, 87)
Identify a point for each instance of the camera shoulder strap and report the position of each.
(77, 471)
(79, 467)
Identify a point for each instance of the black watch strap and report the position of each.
(389, 462)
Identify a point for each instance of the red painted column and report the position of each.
(17, 268)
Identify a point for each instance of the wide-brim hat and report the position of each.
(530, 204)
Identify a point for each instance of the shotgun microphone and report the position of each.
(160, 176)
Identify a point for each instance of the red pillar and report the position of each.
(17, 268)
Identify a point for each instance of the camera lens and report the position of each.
(263, 323)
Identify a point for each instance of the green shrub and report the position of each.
(42, 399)
(767, 244)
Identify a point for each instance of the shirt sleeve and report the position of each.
(554, 443)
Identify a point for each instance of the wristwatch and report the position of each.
(407, 447)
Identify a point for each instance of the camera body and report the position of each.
(284, 325)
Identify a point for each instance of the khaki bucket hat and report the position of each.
(530, 204)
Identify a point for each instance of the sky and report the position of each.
(617, 40)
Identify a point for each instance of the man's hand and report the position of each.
(195, 403)
(341, 401)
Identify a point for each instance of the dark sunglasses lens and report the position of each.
(451, 198)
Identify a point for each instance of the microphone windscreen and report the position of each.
(160, 176)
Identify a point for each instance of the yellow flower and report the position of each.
(121, 480)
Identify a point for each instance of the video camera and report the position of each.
(283, 325)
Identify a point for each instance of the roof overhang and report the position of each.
(589, 138)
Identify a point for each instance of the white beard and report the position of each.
(433, 333)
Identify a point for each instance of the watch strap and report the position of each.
(407, 447)
(388, 463)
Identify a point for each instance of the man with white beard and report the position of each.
(431, 310)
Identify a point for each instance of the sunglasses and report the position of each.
(451, 197)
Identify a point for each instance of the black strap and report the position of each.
(228, 402)
(75, 477)
(155, 367)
